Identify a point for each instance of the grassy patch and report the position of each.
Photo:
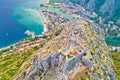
(58, 32)
(10, 65)
(116, 58)
(82, 78)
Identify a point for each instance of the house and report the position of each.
(75, 53)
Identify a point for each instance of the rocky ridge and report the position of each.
(57, 61)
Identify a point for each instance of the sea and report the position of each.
(15, 19)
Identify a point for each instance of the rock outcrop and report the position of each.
(71, 55)
(55, 61)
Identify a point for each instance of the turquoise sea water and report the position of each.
(15, 18)
(29, 18)
(9, 29)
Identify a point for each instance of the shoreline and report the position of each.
(13, 44)
(44, 20)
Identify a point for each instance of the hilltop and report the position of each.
(78, 51)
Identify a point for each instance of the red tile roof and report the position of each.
(75, 53)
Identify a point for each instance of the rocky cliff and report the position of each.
(78, 52)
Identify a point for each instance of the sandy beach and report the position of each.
(44, 20)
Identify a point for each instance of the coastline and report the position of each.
(44, 23)
(44, 20)
(13, 44)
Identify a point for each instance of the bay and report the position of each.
(15, 20)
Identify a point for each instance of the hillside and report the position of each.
(78, 52)
(108, 9)
(116, 58)
(103, 12)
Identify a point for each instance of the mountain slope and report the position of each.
(109, 9)
(79, 51)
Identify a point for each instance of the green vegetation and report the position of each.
(91, 53)
(58, 32)
(36, 48)
(10, 65)
(54, 1)
(82, 78)
(56, 7)
(50, 6)
(42, 45)
(112, 37)
(111, 41)
(116, 58)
